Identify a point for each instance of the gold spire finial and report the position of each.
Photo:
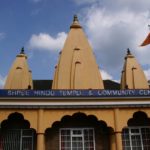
(75, 23)
(75, 18)
(128, 51)
(22, 50)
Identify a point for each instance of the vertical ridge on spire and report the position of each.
(132, 74)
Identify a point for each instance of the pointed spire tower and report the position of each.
(77, 68)
(132, 73)
(19, 76)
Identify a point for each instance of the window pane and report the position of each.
(27, 143)
(17, 139)
(137, 138)
(146, 138)
(65, 140)
(77, 132)
(136, 142)
(89, 139)
(134, 130)
(77, 143)
(77, 139)
(126, 139)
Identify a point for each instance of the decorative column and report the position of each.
(40, 131)
(117, 130)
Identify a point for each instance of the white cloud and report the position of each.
(44, 41)
(147, 73)
(135, 5)
(113, 28)
(105, 75)
(2, 81)
(2, 35)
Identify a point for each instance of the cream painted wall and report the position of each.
(49, 116)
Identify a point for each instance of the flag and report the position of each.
(146, 41)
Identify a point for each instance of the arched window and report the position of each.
(78, 132)
(137, 135)
(16, 134)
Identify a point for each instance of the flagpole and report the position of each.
(149, 26)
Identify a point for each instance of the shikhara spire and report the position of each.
(19, 76)
(132, 75)
(77, 68)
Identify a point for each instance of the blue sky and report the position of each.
(20, 19)
(41, 26)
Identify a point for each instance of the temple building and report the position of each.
(77, 110)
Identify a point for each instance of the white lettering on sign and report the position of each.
(75, 93)
(70, 92)
(144, 92)
(44, 93)
(18, 93)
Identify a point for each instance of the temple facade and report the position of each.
(77, 110)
